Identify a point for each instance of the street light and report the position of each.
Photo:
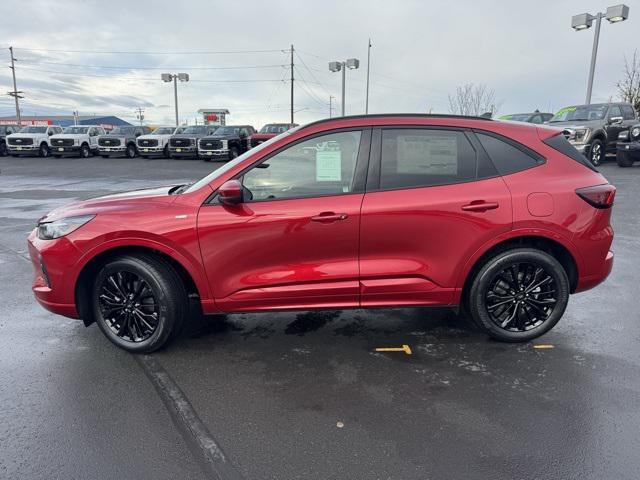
(169, 77)
(351, 64)
(615, 14)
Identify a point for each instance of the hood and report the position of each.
(187, 135)
(119, 137)
(70, 135)
(155, 137)
(573, 124)
(221, 137)
(137, 199)
(26, 135)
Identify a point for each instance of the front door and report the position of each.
(293, 241)
(437, 201)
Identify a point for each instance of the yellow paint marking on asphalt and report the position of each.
(543, 346)
(404, 348)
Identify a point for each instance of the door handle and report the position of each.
(327, 217)
(480, 206)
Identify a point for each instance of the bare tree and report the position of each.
(629, 86)
(472, 99)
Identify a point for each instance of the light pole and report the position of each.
(350, 63)
(617, 13)
(170, 77)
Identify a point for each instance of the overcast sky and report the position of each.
(525, 51)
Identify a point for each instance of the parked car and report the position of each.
(226, 143)
(270, 130)
(121, 141)
(156, 143)
(6, 130)
(628, 148)
(32, 140)
(79, 140)
(534, 117)
(593, 129)
(409, 210)
(185, 144)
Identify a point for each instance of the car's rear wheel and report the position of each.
(596, 152)
(519, 294)
(138, 302)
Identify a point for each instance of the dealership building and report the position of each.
(107, 122)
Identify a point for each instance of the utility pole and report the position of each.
(15, 94)
(175, 94)
(366, 105)
(75, 117)
(331, 97)
(291, 83)
(140, 114)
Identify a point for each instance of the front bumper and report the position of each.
(112, 151)
(214, 154)
(71, 150)
(183, 152)
(23, 149)
(150, 151)
(632, 148)
(53, 285)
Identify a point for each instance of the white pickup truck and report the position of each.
(32, 140)
(79, 140)
(156, 143)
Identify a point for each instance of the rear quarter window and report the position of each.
(562, 145)
(508, 157)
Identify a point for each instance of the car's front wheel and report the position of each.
(44, 150)
(518, 294)
(131, 151)
(233, 153)
(138, 302)
(596, 152)
(85, 151)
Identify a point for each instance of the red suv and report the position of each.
(503, 219)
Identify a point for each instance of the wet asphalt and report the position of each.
(304, 395)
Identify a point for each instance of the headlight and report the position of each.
(635, 132)
(624, 135)
(581, 134)
(192, 141)
(62, 227)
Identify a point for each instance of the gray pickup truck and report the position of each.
(121, 141)
(593, 129)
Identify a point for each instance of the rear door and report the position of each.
(433, 198)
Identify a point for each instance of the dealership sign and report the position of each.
(27, 122)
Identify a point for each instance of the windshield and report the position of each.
(274, 129)
(76, 130)
(122, 131)
(517, 117)
(33, 130)
(163, 131)
(227, 131)
(229, 165)
(179, 130)
(581, 113)
(198, 130)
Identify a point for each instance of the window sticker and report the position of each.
(328, 166)
(422, 154)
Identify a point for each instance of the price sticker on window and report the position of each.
(328, 166)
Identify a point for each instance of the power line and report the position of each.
(130, 52)
(307, 88)
(312, 75)
(121, 67)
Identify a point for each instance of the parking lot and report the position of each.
(304, 395)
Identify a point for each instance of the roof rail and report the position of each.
(383, 115)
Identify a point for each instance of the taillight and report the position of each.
(598, 196)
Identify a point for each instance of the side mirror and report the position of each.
(230, 193)
(615, 120)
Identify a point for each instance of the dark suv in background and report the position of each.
(4, 131)
(121, 141)
(270, 130)
(534, 117)
(628, 148)
(593, 129)
(226, 143)
(185, 144)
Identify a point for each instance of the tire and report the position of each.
(3, 149)
(166, 151)
(233, 153)
(57, 156)
(44, 150)
(131, 151)
(144, 323)
(524, 309)
(596, 152)
(624, 159)
(85, 151)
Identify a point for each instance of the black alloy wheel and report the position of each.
(128, 306)
(518, 295)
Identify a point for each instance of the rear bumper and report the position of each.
(590, 281)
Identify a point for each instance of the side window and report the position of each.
(614, 111)
(627, 112)
(323, 165)
(536, 119)
(93, 132)
(506, 157)
(422, 158)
